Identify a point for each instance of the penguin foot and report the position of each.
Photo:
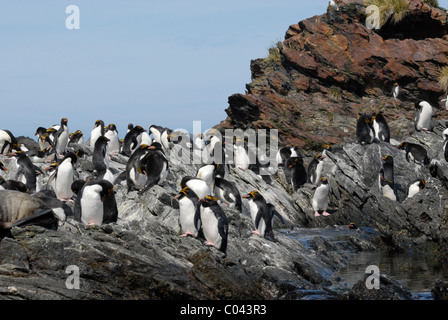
(325, 213)
(256, 232)
(316, 214)
(186, 234)
(209, 243)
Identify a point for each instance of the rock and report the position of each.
(440, 290)
(388, 289)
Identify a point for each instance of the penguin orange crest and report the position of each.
(211, 198)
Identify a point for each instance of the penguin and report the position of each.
(164, 138)
(386, 178)
(95, 203)
(209, 172)
(320, 198)
(134, 179)
(364, 130)
(114, 141)
(130, 141)
(61, 209)
(282, 156)
(189, 212)
(100, 157)
(423, 115)
(415, 187)
(76, 137)
(352, 226)
(61, 137)
(18, 209)
(241, 156)
(228, 193)
(38, 156)
(315, 169)
(27, 172)
(214, 223)
(295, 172)
(260, 214)
(395, 90)
(63, 177)
(8, 142)
(156, 131)
(381, 128)
(130, 126)
(199, 150)
(12, 185)
(42, 138)
(155, 166)
(415, 152)
(199, 186)
(445, 141)
(97, 131)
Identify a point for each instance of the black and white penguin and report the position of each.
(214, 223)
(228, 193)
(76, 137)
(61, 209)
(241, 155)
(445, 142)
(38, 156)
(198, 149)
(260, 214)
(27, 172)
(199, 186)
(415, 152)
(63, 177)
(395, 90)
(131, 141)
(42, 138)
(61, 137)
(12, 185)
(114, 140)
(423, 116)
(156, 132)
(209, 172)
(97, 131)
(386, 178)
(315, 169)
(8, 142)
(100, 157)
(364, 130)
(189, 212)
(295, 172)
(134, 179)
(320, 198)
(415, 187)
(381, 128)
(95, 203)
(155, 166)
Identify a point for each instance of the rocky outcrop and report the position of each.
(331, 67)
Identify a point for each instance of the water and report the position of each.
(418, 273)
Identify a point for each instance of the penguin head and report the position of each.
(72, 156)
(388, 159)
(208, 201)
(77, 185)
(98, 123)
(319, 157)
(327, 147)
(155, 146)
(102, 140)
(422, 184)
(323, 180)
(139, 129)
(112, 127)
(40, 131)
(253, 195)
(402, 146)
(352, 226)
(64, 121)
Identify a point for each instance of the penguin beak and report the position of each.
(4, 168)
(177, 196)
(246, 196)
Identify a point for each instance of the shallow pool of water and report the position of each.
(417, 273)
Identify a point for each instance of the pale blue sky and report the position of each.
(146, 62)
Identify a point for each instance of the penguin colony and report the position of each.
(200, 197)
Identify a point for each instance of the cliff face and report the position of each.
(331, 67)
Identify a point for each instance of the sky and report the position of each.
(144, 62)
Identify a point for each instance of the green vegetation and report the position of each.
(392, 11)
(433, 3)
(274, 55)
(443, 79)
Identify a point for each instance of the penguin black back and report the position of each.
(364, 130)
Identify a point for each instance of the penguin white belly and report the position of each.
(376, 129)
(319, 169)
(62, 141)
(388, 192)
(137, 178)
(320, 198)
(206, 173)
(95, 134)
(4, 138)
(186, 218)
(413, 190)
(163, 174)
(210, 226)
(64, 180)
(241, 158)
(109, 176)
(114, 142)
(200, 187)
(253, 214)
(91, 205)
(424, 120)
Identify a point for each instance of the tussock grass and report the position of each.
(443, 79)
(392, 11)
